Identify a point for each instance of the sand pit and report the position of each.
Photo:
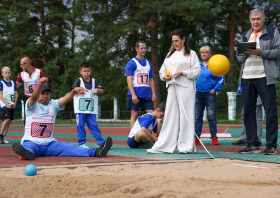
(188, 178)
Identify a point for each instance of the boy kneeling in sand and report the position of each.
(140, 135)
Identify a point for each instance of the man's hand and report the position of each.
(153, 98)
(253, 52)
(80, 90)
(177, 74)
(43, 81)
(135, 99)
(212, 91)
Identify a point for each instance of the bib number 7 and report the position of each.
(86, 104)
(41, 130)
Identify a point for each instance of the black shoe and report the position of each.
(1, 139)
(104, 148)
(250, 149)
(21, 151)
(147, 145)
(270, 150)
(240, 143)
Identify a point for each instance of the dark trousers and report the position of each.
(251, 88)
(25, 98)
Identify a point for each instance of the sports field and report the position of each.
(127, 172)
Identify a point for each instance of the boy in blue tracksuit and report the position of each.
(86, 106)
(207, 85)
(140, 135)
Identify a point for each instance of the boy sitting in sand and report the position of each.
(140, 135)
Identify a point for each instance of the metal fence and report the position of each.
(124, 116)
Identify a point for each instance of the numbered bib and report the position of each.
(86, 104)
(10, 98)
(41, 130)
(29, 88)
(143, 79)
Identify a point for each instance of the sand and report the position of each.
(188, 178)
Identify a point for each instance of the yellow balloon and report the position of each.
(218, 65)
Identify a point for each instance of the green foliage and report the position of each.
(105, 32)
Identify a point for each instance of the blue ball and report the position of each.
(30, 170)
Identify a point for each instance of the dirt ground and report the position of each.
(188, 178)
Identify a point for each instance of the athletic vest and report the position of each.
(8, 93)
(30, 83)
(87, 103)
(137, 127)
(141, 75)
(39, 126)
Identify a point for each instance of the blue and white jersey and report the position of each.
(40, 121)
(142, 71)
(8, 91)
(146, 121)
(207, 81)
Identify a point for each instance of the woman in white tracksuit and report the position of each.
(183, 66)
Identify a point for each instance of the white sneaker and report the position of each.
(153, 151)
(84, 145)
(5, 141)
(183, 152)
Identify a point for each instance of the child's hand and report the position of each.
(155, 139)
(13, 106)
(9, 106)
(95, 91)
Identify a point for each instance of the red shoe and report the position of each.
(196, 141)
(22, 158)
(215, 141)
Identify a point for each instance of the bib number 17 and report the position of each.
(143, 79)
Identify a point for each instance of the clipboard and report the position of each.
(242, 47)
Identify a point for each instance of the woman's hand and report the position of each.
(167, 77)
(212, 91)
(177, 74)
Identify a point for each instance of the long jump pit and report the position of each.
(219, 171)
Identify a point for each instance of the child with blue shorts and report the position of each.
(140, 135)
(86, 106)
(8, 100)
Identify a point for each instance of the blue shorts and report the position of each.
(144, 104)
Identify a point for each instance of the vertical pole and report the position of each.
(231, 105)
(22, 110)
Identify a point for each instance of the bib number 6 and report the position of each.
(30, 89)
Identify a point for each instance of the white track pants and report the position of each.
(177, 130)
